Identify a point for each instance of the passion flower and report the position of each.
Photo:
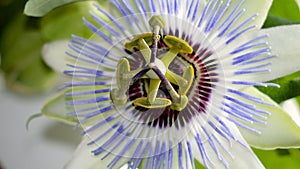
(159, 85)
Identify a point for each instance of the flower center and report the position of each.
(155, 72)
(166, 80)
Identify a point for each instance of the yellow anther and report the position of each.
(135, 41)
(188, 75)
(158, 103)
(175, 43)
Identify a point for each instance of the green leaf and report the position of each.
(39, 8)
(272, 21)
(287, 9)
(66, 20)
(21, 62)
(57, 109)
(288, 84)
(8, 10)
(283, 12)
(198, 165)
(280, 158)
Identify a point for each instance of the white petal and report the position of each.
(54, 55)
(291, 106)
(83, 158)
(175, 159)
(243, 156)
(260, 7)
(284, 43)
(253, 7)
(298, 2)
(280, 132)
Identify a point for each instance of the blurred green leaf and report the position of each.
(289, 88)
(56, 109)
(287, 9)
(283, 12)
(66, 20)
(8, 10)
(272, 21)
(21, 62)
(39, 8)
(198, 165)
(280, 158)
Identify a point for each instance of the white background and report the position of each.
(46, 145)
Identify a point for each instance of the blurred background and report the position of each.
(47, 144)
(26, 83)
